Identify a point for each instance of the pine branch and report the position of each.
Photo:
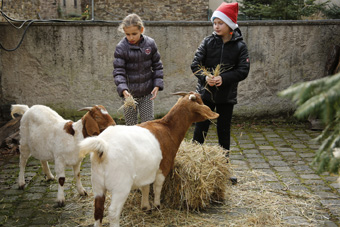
(320, 98)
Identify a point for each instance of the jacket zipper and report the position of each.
(221, 57)
(222, 53)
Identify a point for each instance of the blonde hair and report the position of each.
(131, 20)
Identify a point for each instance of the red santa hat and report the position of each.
(227, 12)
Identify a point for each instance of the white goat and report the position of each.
(125, 157)
(46, 136)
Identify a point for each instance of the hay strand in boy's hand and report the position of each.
(205, 72)
(129, 102)
(216, 71)
(199, 177)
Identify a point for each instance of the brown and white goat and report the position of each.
(126, 157)
(46, 136)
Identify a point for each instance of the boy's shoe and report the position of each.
(227, 156)
(233, 180)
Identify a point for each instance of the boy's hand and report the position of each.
(218, 81)
(210, 80)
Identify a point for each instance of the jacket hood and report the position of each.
(133, 46)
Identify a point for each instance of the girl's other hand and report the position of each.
(154, 93)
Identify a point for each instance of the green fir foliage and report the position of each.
(332, 12)
(320, 98)
(281, 9)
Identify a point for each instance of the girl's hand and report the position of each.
(126, 94)
(154, 93)
(218, 81)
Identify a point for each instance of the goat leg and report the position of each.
(46, 170)
(60, 171)
(157, 188)
(24, 155)
(145, 205)
(80, 188)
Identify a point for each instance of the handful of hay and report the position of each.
(205, 72)
(199, 177)
(129, 102)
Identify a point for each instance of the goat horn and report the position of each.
(192, 97)
(85, 108)
(180, 93)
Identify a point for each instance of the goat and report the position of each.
(46, 136)
(127, 157)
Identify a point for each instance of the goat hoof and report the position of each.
(146, 210)
(21, 187)
(58, 205)
(158, 207)
(84, 193)
(61, 204)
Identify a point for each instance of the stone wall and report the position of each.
(69, 65)
(30, 10)
(112, 10)
(161, 10)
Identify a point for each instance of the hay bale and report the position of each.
(200, 177)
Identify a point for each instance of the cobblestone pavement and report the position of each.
(283, 150)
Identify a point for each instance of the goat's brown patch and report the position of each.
(68, 128)
(90, 126)
(102, 117)
(61, 181)
(99, 208)
(171, 129)
(96, 120)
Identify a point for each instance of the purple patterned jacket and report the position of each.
(137, 69)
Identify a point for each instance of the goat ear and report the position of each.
(207, 113)
(180, 93)
(85, 108)
(90, 126)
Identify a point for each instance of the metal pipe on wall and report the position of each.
(92, 13)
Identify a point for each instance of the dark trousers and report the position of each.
(223, 124)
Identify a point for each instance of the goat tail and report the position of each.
(18, 109)
(96, 145)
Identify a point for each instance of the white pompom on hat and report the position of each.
(227, 12)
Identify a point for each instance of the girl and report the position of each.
(225, 47)
(138, 70)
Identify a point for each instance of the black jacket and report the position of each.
(137, 69)
(234, 60)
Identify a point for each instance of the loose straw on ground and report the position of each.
(252, 202)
